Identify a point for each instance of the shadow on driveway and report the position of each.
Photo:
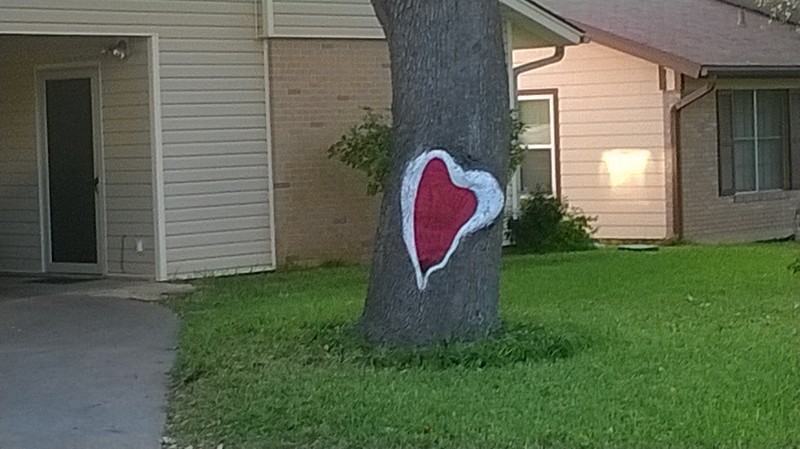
(79, 371)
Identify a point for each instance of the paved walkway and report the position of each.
(81, 370)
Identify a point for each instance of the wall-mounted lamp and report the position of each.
(118, 50)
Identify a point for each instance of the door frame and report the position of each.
(43, 73)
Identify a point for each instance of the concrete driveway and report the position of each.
(82, 368)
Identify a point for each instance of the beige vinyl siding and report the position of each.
(20, 235)
(127, 161)
(608, 100)
(213, 119)
(324, 18)
(126, 150)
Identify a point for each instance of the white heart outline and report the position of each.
(490, 198)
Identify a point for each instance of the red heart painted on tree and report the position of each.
(440, 210)
(441, 204)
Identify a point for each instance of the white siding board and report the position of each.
(221, 122)
(128, 177)
(128, 217)
(206, 71)
(128, 190)
(207, 57)
(127, 112)
(210, 200)
(214, 148)
(222, 250)
(204, 84)
(196, 188)
(247, 263)
(28, 192)
(213, 110)
(214, 136)
(216, 174)
(201, 162)
(123, 164)
(211, 97)
(14, 228)
(191, 230)
(140, 204)
(219, 44)
(208, 213)
(218, 238)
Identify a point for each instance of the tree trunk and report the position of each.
(450, 92)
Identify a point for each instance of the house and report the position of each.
(182, 138)
(681, 119)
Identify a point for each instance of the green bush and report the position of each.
(547, 224)
(365, 147)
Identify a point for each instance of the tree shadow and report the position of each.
(515, 344)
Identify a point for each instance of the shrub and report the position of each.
(365, 147)
(547, 224)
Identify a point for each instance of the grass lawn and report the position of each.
(690, 347)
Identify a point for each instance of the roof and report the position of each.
(694, 37)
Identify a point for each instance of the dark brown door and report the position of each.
(71, 171)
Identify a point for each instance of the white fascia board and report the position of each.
(544, 18)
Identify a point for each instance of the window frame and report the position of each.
(552, 98)
(731, 139)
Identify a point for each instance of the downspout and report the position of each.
(533, 65)
(513, 80)
(677, 188)
(263, 37)
(513, 75)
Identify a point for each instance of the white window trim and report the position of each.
(552, 146)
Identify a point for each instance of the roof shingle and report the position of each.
(688, 35)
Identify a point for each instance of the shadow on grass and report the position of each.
(338, 343)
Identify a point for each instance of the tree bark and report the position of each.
(450, 91)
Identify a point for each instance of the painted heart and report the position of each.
(441, 204)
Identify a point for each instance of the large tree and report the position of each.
(450, 94)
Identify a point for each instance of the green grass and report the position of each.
(690, 347)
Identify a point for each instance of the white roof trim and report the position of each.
(546, 19)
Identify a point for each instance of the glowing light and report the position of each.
(626, 167)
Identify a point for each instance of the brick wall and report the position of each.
(707, 217)
(319, 88)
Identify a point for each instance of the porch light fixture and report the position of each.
(118, 50)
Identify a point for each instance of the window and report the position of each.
(755, 140)
(537, 172)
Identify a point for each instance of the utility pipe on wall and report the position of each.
(677, 196)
